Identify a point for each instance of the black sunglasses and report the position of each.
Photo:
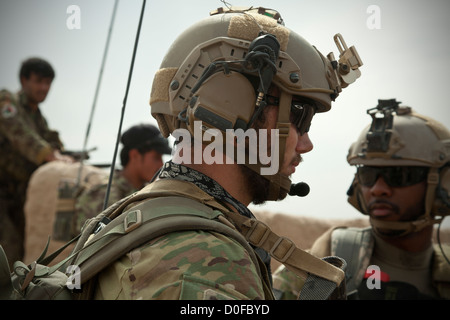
(394, 176)
(301, 113)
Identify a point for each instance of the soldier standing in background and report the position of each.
(26, 142)
(140, 157)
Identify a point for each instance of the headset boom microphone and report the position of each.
(300, 189)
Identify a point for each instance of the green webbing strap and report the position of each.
(346, 243)
(44, 260)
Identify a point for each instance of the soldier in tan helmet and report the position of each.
(402, 183)
(238, 71)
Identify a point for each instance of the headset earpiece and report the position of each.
(355, 196)
(223, 101)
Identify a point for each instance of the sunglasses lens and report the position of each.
(301, 113)
(367, 175)
(393, 176)
(301, 116)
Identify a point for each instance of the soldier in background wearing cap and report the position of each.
(140, 157)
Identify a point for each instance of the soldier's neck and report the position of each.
(412, 242)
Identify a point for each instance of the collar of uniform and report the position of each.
(400, 258)
(205, 183)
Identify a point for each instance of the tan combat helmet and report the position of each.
(398, 136)
(206, 74)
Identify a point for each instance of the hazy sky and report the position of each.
(405, 51)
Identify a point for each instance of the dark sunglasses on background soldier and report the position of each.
(395, 177)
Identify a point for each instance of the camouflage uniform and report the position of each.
(25, 141)
(196, 264)
(90, 202)
(286, 284)
(184, 265)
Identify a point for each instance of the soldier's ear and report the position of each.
(22, 80)
(133, 154)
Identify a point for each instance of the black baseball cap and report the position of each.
(145, 137)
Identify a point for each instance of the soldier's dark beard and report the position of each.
(258, 186)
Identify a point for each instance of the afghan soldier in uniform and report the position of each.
(402, 183)
(26, 142)
(140, 157)
(238, 71)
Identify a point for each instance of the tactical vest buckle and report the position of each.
(132, 220)
(258, 233)
(282, 249)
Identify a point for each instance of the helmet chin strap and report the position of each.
(406, 227)
(278, 181)
(421, 222)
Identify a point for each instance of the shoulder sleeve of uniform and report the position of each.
(15, 129)
(8, 106)
(6, 95)
(322, 246)
(195, 265)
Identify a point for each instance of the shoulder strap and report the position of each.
(354, 245)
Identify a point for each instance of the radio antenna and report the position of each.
(105, 204)
(97, 89)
